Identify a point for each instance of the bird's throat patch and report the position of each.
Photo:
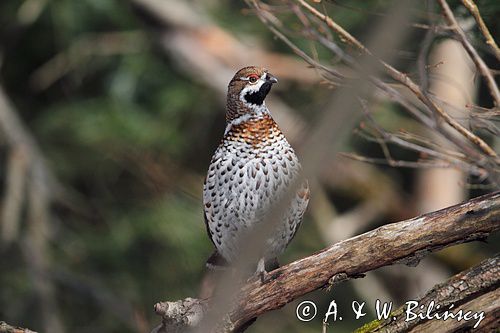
(257, 97)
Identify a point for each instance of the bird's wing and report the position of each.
(299, 205)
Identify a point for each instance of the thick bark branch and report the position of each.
(403, 242)
(6, 328)
(475, 289)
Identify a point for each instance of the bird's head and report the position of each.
(247, 90)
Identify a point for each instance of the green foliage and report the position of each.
(99, 125)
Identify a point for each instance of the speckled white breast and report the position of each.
(253, 165)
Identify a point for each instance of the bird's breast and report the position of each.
(255, 157)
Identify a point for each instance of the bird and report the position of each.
(251, 169)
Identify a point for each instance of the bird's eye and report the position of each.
(253, 78)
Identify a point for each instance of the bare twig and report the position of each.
(425, 107)
(481, 66)
(472, 7)
(422, 57)
(403, 242)
(403, 79)
(424, 147)
(397, 163)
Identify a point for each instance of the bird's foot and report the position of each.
(261, 272)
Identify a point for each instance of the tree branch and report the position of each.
(403, 242)
(6, 328)
(475, 288)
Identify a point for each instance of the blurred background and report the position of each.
(109, 113)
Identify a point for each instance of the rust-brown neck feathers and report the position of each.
(257, 132)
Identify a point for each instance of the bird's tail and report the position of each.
(216, 262)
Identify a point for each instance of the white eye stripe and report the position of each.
(250, 79)
(262, 77)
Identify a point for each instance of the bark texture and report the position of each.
(475, 289)
(404, 242)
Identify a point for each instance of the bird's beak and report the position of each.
(271, 79)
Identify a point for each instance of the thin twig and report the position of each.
(451, 159)
(481, 66)
(472, 7)
(477, 159)
(397, 163)
(422, 57)
(403, 79)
